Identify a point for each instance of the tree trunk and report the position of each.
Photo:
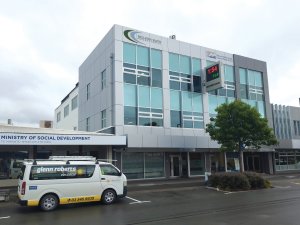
(241, 159)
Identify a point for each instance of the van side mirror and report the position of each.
(120, 173)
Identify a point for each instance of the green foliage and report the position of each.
(229, 181)
(238, 125)
(238, 181)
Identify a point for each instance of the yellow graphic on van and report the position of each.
(33, 202)
(92, 198)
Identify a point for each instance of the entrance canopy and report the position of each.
(12, 135)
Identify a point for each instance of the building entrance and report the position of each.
(175, 163)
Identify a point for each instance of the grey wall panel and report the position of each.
(164, 141)
(119, 111)
(176, 132)
(188, 132)
(195, 51)
(190, 142)
(158, 131)
(202, 142)
(150, 141)
(130, 130)
(184, 48)
(177, 142)
(173, 46)
(135, 141)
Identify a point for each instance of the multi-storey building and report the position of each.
(286, 121)
(152, 89)
(66, 114)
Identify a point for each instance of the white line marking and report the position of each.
(136, 201)
(5, 217)
(295, 183)
(282, 186)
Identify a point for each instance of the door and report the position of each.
(111, 178)
(175, 165)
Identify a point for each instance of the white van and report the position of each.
(15, 168)
(66, 180)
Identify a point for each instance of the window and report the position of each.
(103, 79)
(186, 109)
(87, 124)
(58, 116)
(184, 73)
(129, 53)
(61, 172)
(88, 94)
(109, 170)
(103, 118)
(156, 59)
(74, 103)
(197, 163)
(66, 110)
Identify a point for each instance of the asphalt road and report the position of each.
(177, 206)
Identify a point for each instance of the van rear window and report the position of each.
(61, 172)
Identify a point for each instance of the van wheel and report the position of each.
(108, 196)
(49, 202)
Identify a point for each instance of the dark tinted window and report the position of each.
(61, 172)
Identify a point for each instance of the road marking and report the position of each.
(5, 217)
(136, 201)
(282, 186)
(295, 183)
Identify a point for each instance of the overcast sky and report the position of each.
(43, 42)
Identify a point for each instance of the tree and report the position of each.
(238, 126)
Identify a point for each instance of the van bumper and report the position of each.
(124, 192)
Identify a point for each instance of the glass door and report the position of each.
(175, 166)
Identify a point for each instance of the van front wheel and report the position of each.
(108, 196)
(49, 202)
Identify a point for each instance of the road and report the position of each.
(177, 206)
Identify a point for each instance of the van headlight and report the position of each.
(125, 183)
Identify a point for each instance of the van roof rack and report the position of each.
(73, 158)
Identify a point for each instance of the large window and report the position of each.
(287, 160)
(186, 109)
(143, 165)
(251, 84)
(197, 164)
(142, 65)
(143, 105)
(184, 73)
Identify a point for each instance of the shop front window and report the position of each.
(197, 165)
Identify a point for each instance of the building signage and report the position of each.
(214, 77)
(214, 55)
(139, 38)
(59, 139)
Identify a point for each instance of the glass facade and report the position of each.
(186, 109)
(251, 89)
(287, 160)
(197, 164)
(222, 95)
(142, 74)
(138, 165)
(184, 73)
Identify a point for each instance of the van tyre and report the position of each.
(108, 197)
(49, 202)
